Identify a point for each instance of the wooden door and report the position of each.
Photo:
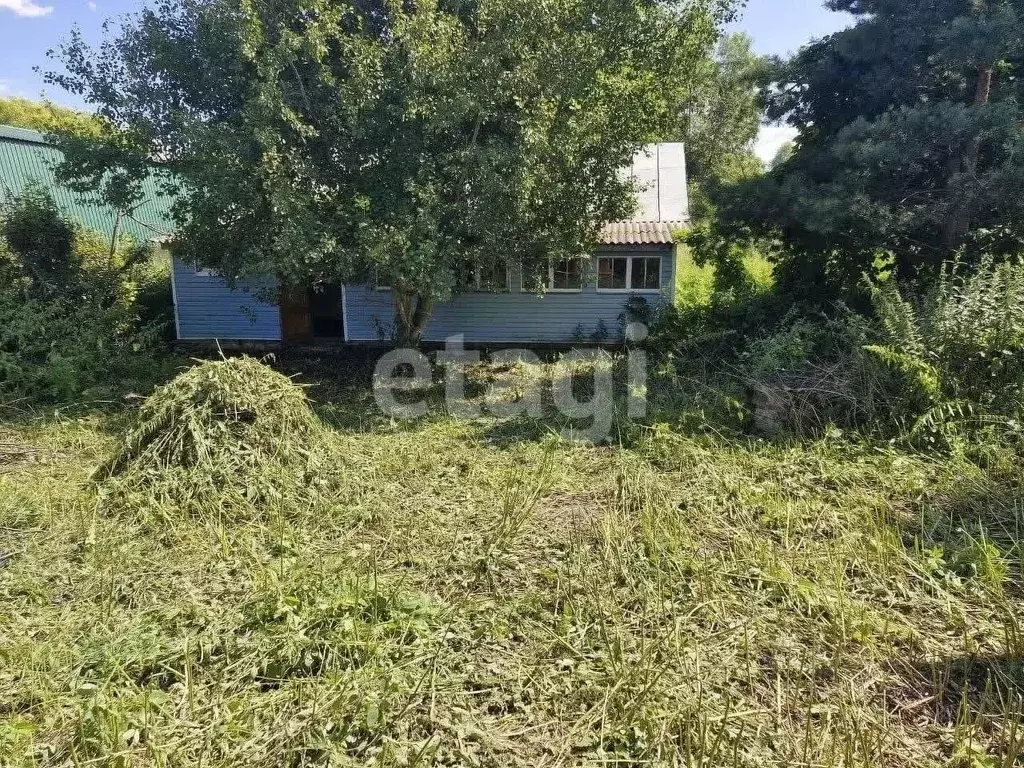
(296, 321)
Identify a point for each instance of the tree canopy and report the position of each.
(722, 116)
(405, 140)
(911, 139)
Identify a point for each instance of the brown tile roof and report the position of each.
(640, 232)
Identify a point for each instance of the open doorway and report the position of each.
(325, 311)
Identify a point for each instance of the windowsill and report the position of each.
(629, 290)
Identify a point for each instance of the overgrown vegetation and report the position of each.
(807, 552)
(932, 363)
(80, 316)
(45, 117)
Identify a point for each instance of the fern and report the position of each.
(922, 373)
(898, 318)
(960, 344)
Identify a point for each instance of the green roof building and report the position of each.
(26, 157)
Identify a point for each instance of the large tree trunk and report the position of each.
(414, 311)
(958, 220)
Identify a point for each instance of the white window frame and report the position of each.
(629, 273)
(201, 272)
(551, 277)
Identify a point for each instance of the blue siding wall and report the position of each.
(507, 317)
(207, 308)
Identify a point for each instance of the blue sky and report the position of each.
(29, 27)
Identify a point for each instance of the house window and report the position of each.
(566, 275)
(492, 278)
(629, 273)
(613, 274)
(645, 274)
(202, 271)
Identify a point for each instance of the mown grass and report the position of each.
(470, 593)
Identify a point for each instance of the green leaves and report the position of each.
(911, 132)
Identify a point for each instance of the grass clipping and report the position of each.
(232, 427)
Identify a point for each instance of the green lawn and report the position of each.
(481, 594)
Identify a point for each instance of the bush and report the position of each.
(958, 348)
(72, 317)
(944, 367)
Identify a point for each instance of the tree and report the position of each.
(401, 141)
(722, 118)
(911, 139)
(723, 114)
(782, 155)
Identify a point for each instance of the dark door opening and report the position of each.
(325, 311)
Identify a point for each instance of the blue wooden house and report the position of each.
(635, 259)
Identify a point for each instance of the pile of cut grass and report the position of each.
(232, 427)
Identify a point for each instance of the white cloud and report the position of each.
(26, 8)
(4, 86)
(92, 5)
(769, 140)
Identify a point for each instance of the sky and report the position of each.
(28, 28)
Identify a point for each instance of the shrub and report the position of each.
(958, 347)
(78, 314)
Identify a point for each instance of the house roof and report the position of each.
(26, 156)
(640, 232)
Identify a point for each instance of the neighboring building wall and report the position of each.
(513, 317)
(206, 307)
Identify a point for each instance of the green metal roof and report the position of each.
(25, 156)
